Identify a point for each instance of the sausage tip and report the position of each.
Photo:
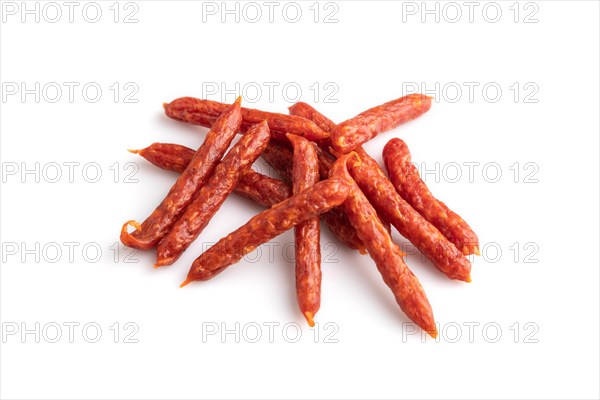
(133, 151)
(185, 283)
(127, 235)
(133, 223)
(129, 240)
(309, 318)
(163, 260)
(468, 280)
(433, 333)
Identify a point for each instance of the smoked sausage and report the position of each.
(159, 223)
(205, 112)
(405, 177)
(212, 195)
(405, 286)
(270, 223)
(305, 173)
(424, 236)
(352, 133)
(261, 189)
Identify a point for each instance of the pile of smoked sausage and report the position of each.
(325, 175)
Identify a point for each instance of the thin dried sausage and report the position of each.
(352, 133)
(212, 195)
(280, 158)
(405, 177)
(265, 226)
(305, 173)
(391, 207)
(309, 112)
(261, 189)
(204, 112)
(326, 160)
(168, 156)
(338, 223)
(159, 223)
(405, 286)
(424, 236)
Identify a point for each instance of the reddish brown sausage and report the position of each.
(387, 255)
(305, 173)
(265, 226)
(212, 195)
(159, 223)
(168, 156)
(381, 193)
(352, 133)
(257, 187)
(326, 160)
(391, 207)
(260, 188)
(204, 112)
(338, 223)
(309, 112)
(280, 158)
(405, 177)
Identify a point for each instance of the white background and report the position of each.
(547, 311)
